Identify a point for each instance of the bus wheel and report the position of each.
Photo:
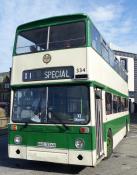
(109, 144)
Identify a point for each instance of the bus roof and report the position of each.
(52, 21)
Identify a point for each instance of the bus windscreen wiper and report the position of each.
(50, 113)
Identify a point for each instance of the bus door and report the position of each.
(99, 122)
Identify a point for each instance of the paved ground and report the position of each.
(122, 162)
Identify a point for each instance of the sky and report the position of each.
(116, 21)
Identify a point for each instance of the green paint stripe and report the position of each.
(65, 141)
(108, 89)
(52, 21)
(74, 82)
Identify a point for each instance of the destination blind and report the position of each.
(53, 73)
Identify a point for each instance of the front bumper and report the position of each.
(64, 156)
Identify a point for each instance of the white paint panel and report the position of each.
(53, 155)
(60, 156)
(12, 151)
(99, 70)
(115, 116)
(131, 74)
(92, 106)
(94, 158)
(69, 57)
(87, 157)
(11, 105)
(49, 155)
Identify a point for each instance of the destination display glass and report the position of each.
(53, 73)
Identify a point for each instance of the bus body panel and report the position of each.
(98, 70)
(59, 58)
(56, 155)
(62, 143)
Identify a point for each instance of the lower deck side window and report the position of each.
(115, 104)
(108, 98)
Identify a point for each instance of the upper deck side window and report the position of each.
(103, 49)
(62, 36)
(96, 39)
(99, 44)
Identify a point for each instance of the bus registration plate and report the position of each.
(46, 145)
(52, 73)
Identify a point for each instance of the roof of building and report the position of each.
(126, 54)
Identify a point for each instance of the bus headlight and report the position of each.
(17, 140)
(79, 143)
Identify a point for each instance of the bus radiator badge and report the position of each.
(46, 58)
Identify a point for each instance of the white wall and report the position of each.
(130, 66)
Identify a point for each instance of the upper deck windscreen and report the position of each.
(62, 36)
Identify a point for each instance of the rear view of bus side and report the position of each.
(69, 99)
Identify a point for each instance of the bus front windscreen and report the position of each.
(55, 104)
(55, 37)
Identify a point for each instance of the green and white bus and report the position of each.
(69, 98)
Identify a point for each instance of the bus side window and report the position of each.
(104, 50)
(96, 40)
(115, 104)
(119, 104)
(125, 104)
(108, 98)
(111, 58)
(122, 104)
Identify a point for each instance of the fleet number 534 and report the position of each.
(79, 70)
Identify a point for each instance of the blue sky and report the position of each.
(116, 20)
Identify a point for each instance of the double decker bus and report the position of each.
(69, 98)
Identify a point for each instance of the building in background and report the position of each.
(5, 91)
(129, 62)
